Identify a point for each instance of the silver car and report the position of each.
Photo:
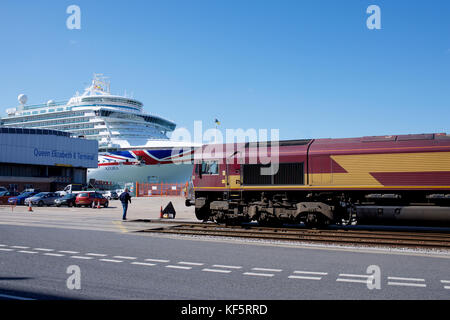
(42, 198)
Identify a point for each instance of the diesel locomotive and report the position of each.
(393, 179)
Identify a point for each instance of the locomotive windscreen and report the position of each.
(288, 174)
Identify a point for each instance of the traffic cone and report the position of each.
(161, 213)
(98, 204)
(30, 209)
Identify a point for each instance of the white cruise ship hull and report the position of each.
(119, 173)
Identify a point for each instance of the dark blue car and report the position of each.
(21, 197)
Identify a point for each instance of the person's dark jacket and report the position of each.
(125, 197)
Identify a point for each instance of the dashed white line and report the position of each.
(25, 251)
(111, 260)
(19, 247)
(405, 279)
(157, 260)
(312, 272)
(353, 276)
(226, 267)
(144, 264)
(126, 258)
(43, 249)
(446, 282)
(4, 249)
(267, 270)
(216, 270)
(69, 252)
(352, 280)
(96, 254)
(406, 284)
(191, 263)
(179, 267)
(305, 278)
(258, 274)
(54, 254)
(82, 257)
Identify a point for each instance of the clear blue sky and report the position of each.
(309, 68)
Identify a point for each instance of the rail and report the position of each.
(402, 239)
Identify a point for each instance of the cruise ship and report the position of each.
(133, 145)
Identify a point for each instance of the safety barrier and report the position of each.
(160, 189)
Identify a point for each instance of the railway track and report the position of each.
(340, 236)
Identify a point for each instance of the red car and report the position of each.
(89, 199)
(5, 195)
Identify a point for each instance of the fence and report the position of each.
(160, 189)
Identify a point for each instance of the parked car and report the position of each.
(2, 189)
(67, 200)
(111, 195)
(42, 198)
(20, 199)
(88, 198)
(5, 195)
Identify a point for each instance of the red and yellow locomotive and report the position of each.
(322, 181)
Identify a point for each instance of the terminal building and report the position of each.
(44, 159)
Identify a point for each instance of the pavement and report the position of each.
(104, 219)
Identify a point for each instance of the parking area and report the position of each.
(140, 208)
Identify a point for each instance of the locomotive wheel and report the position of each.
(201, 214)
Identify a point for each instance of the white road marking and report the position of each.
(305, 278)
(258, 274)
(19, 247)
(111, 260)
(69, 252)
(352, 280)
(43, 249)
(405, 279)
(157, 260)
(312, 272)
(268, 270)
(216, 270)
(144, 264)
(3, 245)
(406, 284)
(354, 275)
(126, 258)
(24, 251)
(96, 254)
(191, 263)
(226, 267)
(446, 282)
(81, 257)
(339, 279)
(53, 254)
(179, 267)
(2, 249)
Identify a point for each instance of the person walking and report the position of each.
(125, 198)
